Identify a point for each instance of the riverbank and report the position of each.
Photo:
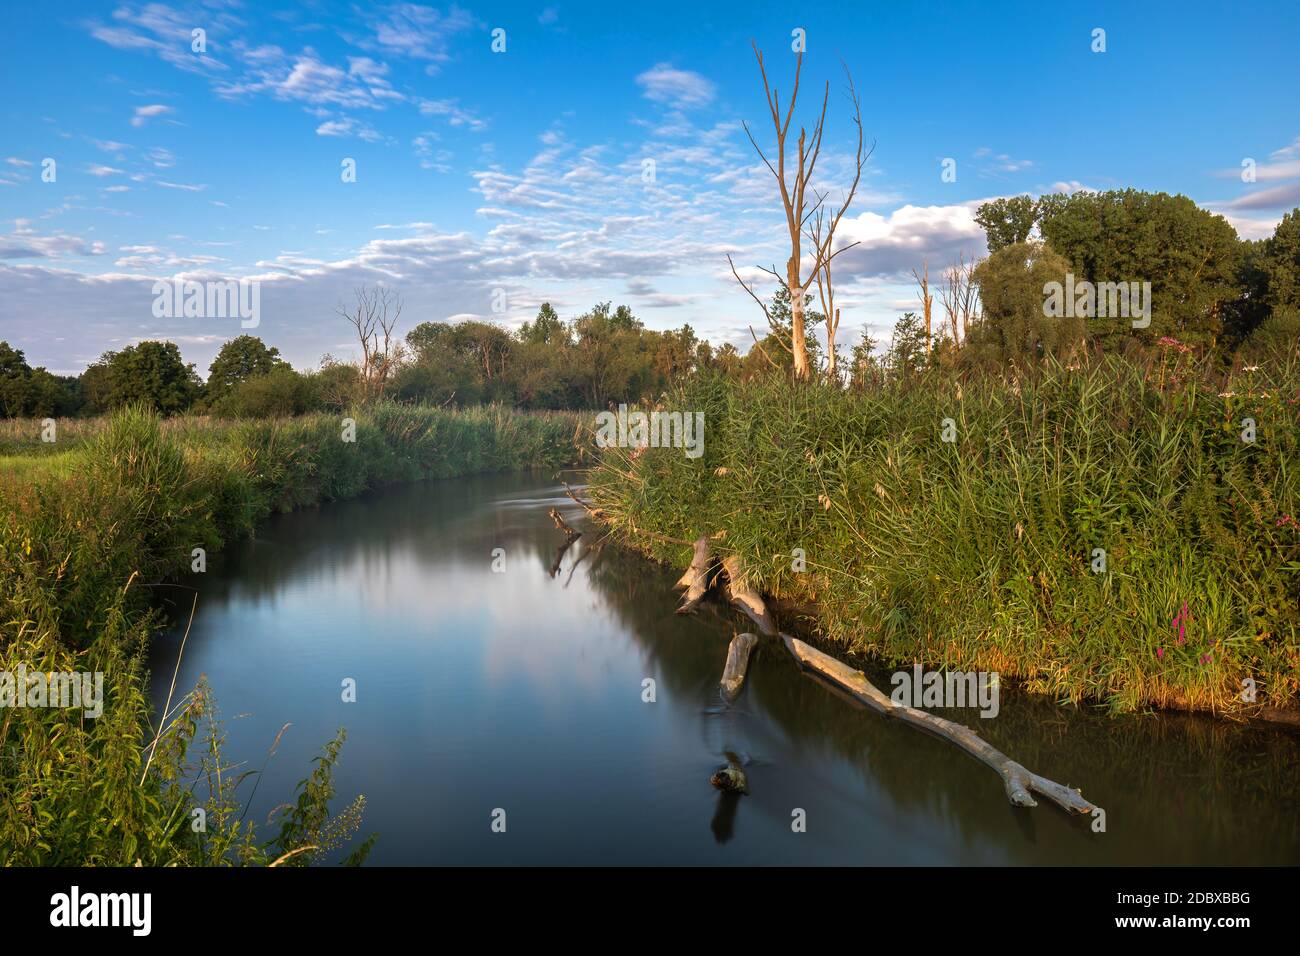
(1122, 532)
(93, 523)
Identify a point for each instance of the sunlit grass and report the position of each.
(979, 553)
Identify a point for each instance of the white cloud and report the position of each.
(347, 127)
(420, 33)
(1276, 197)
(25, 243)
(145, 113)
(455, 114)
(682, 89)
(894, 244)
(1071, 186)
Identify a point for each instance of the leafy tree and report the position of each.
(907, 347)
(152, 373)
(15, 382)
(1014, 327)
(467, 361)
(240, 359)
(278, 393)
(864, 366)
(1191, 257)
(611, 360)
(95, 385)
(1280, 262)
(547, 329)
(1245, 313)
(1007, 221)
(1279, 333)
(32, 392)
(727, 359)
(674, 354)
(337, 385)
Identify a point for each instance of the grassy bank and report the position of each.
(981, 552)
(91, 524)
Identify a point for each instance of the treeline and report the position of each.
(604, 355)
(1209, 291)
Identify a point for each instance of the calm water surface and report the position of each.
(522, 690)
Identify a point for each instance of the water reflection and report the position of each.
(523, 690)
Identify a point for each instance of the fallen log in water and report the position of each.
(562, 524)
(1018, 781)
(570, 536)
(733, 675)
(744, 597)
(696, 577)
(699, 563)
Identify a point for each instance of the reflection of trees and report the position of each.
(453, 520)
(1174, 786)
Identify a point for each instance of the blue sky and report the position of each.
(522, 171)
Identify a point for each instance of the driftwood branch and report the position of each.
(570, 536)
(594, 512)
(1018, 781)
(562, 524)
(733, 675)
(743, 596)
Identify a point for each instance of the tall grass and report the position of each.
(982, 553)
(86, 531)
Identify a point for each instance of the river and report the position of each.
(481, 690)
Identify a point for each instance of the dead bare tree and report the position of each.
(960, 296)
(374, 317)
(927, 300)
(800, 200)
(826, 294)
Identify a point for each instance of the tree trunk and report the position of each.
(798, 341)
(745, 598)
(696, 578)
(733, 675)
(831, 329)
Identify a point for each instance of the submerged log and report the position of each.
(1018, 781)
(744, 597)
(696, 577)
(733, 675)
(730, 779)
